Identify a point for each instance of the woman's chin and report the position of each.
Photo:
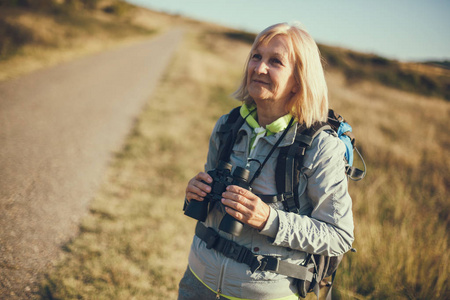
(259, 94)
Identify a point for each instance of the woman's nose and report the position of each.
(261, 68)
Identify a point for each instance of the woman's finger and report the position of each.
(203, 176)
(243, 192)
(245, 206)
(192, 196)
(237, 205)
(197, 187)
(235, 214)
(241, 195)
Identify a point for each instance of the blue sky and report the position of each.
(407, 30)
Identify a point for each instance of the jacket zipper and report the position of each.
(219, 286)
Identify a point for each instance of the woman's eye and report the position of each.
(277, 61)
(256, 56)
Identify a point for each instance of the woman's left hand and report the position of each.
(245, 206)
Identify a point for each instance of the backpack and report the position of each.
(287, 175)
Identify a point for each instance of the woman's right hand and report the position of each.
(197, 189)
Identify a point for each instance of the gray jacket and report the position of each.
(323, 226)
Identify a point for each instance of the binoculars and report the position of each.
(222, 177)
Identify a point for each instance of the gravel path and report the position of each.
(59, 128)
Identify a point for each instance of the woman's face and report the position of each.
(270, 72)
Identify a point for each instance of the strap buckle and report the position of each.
(232, 250)
(266, 263)
(237, 252)
(211, 238)
(287, 195)
(289, 202)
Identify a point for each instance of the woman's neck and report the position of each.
(267, 114)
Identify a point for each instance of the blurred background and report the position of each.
(387, 66)
(403, 30)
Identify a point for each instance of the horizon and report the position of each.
(404, 30)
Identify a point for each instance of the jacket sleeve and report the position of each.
(328, 228)
(214, 143)
(213, 149)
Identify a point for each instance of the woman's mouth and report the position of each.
(260, 81)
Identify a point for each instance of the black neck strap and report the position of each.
(258, 172)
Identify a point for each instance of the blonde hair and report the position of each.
(310, 103)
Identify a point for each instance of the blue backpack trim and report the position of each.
(341, 132)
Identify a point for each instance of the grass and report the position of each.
(428, 78)
(401, 208)
(134, 242)
(65, 33)
(420, 78)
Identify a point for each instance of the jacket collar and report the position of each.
(274, 130)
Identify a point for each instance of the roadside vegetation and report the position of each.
(427, 78)
(35, 34)
(134, 242)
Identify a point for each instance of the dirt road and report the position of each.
(58, 130)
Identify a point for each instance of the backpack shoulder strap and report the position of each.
(289, 162)
(335, 121)
(228, 133)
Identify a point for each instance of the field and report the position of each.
(66, 32)
(134, 242)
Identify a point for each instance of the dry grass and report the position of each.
(401, 208)
(135, 241)
(65, 35)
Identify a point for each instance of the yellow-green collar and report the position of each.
(249, 114)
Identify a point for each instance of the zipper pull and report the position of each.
(218, 294)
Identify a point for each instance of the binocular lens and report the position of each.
(241, 173)
(224, 166)
(221, 179)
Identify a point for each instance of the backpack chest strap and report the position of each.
(244, 255)
(288, 201)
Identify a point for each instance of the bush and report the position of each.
(241, 36)
(120, 8)
(13, 37)
(37, 4)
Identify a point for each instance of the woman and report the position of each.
(283, 82)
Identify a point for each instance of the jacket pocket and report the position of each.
(261, 245)
(238, 156)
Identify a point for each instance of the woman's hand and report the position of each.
(197, 189)
(245, 206)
